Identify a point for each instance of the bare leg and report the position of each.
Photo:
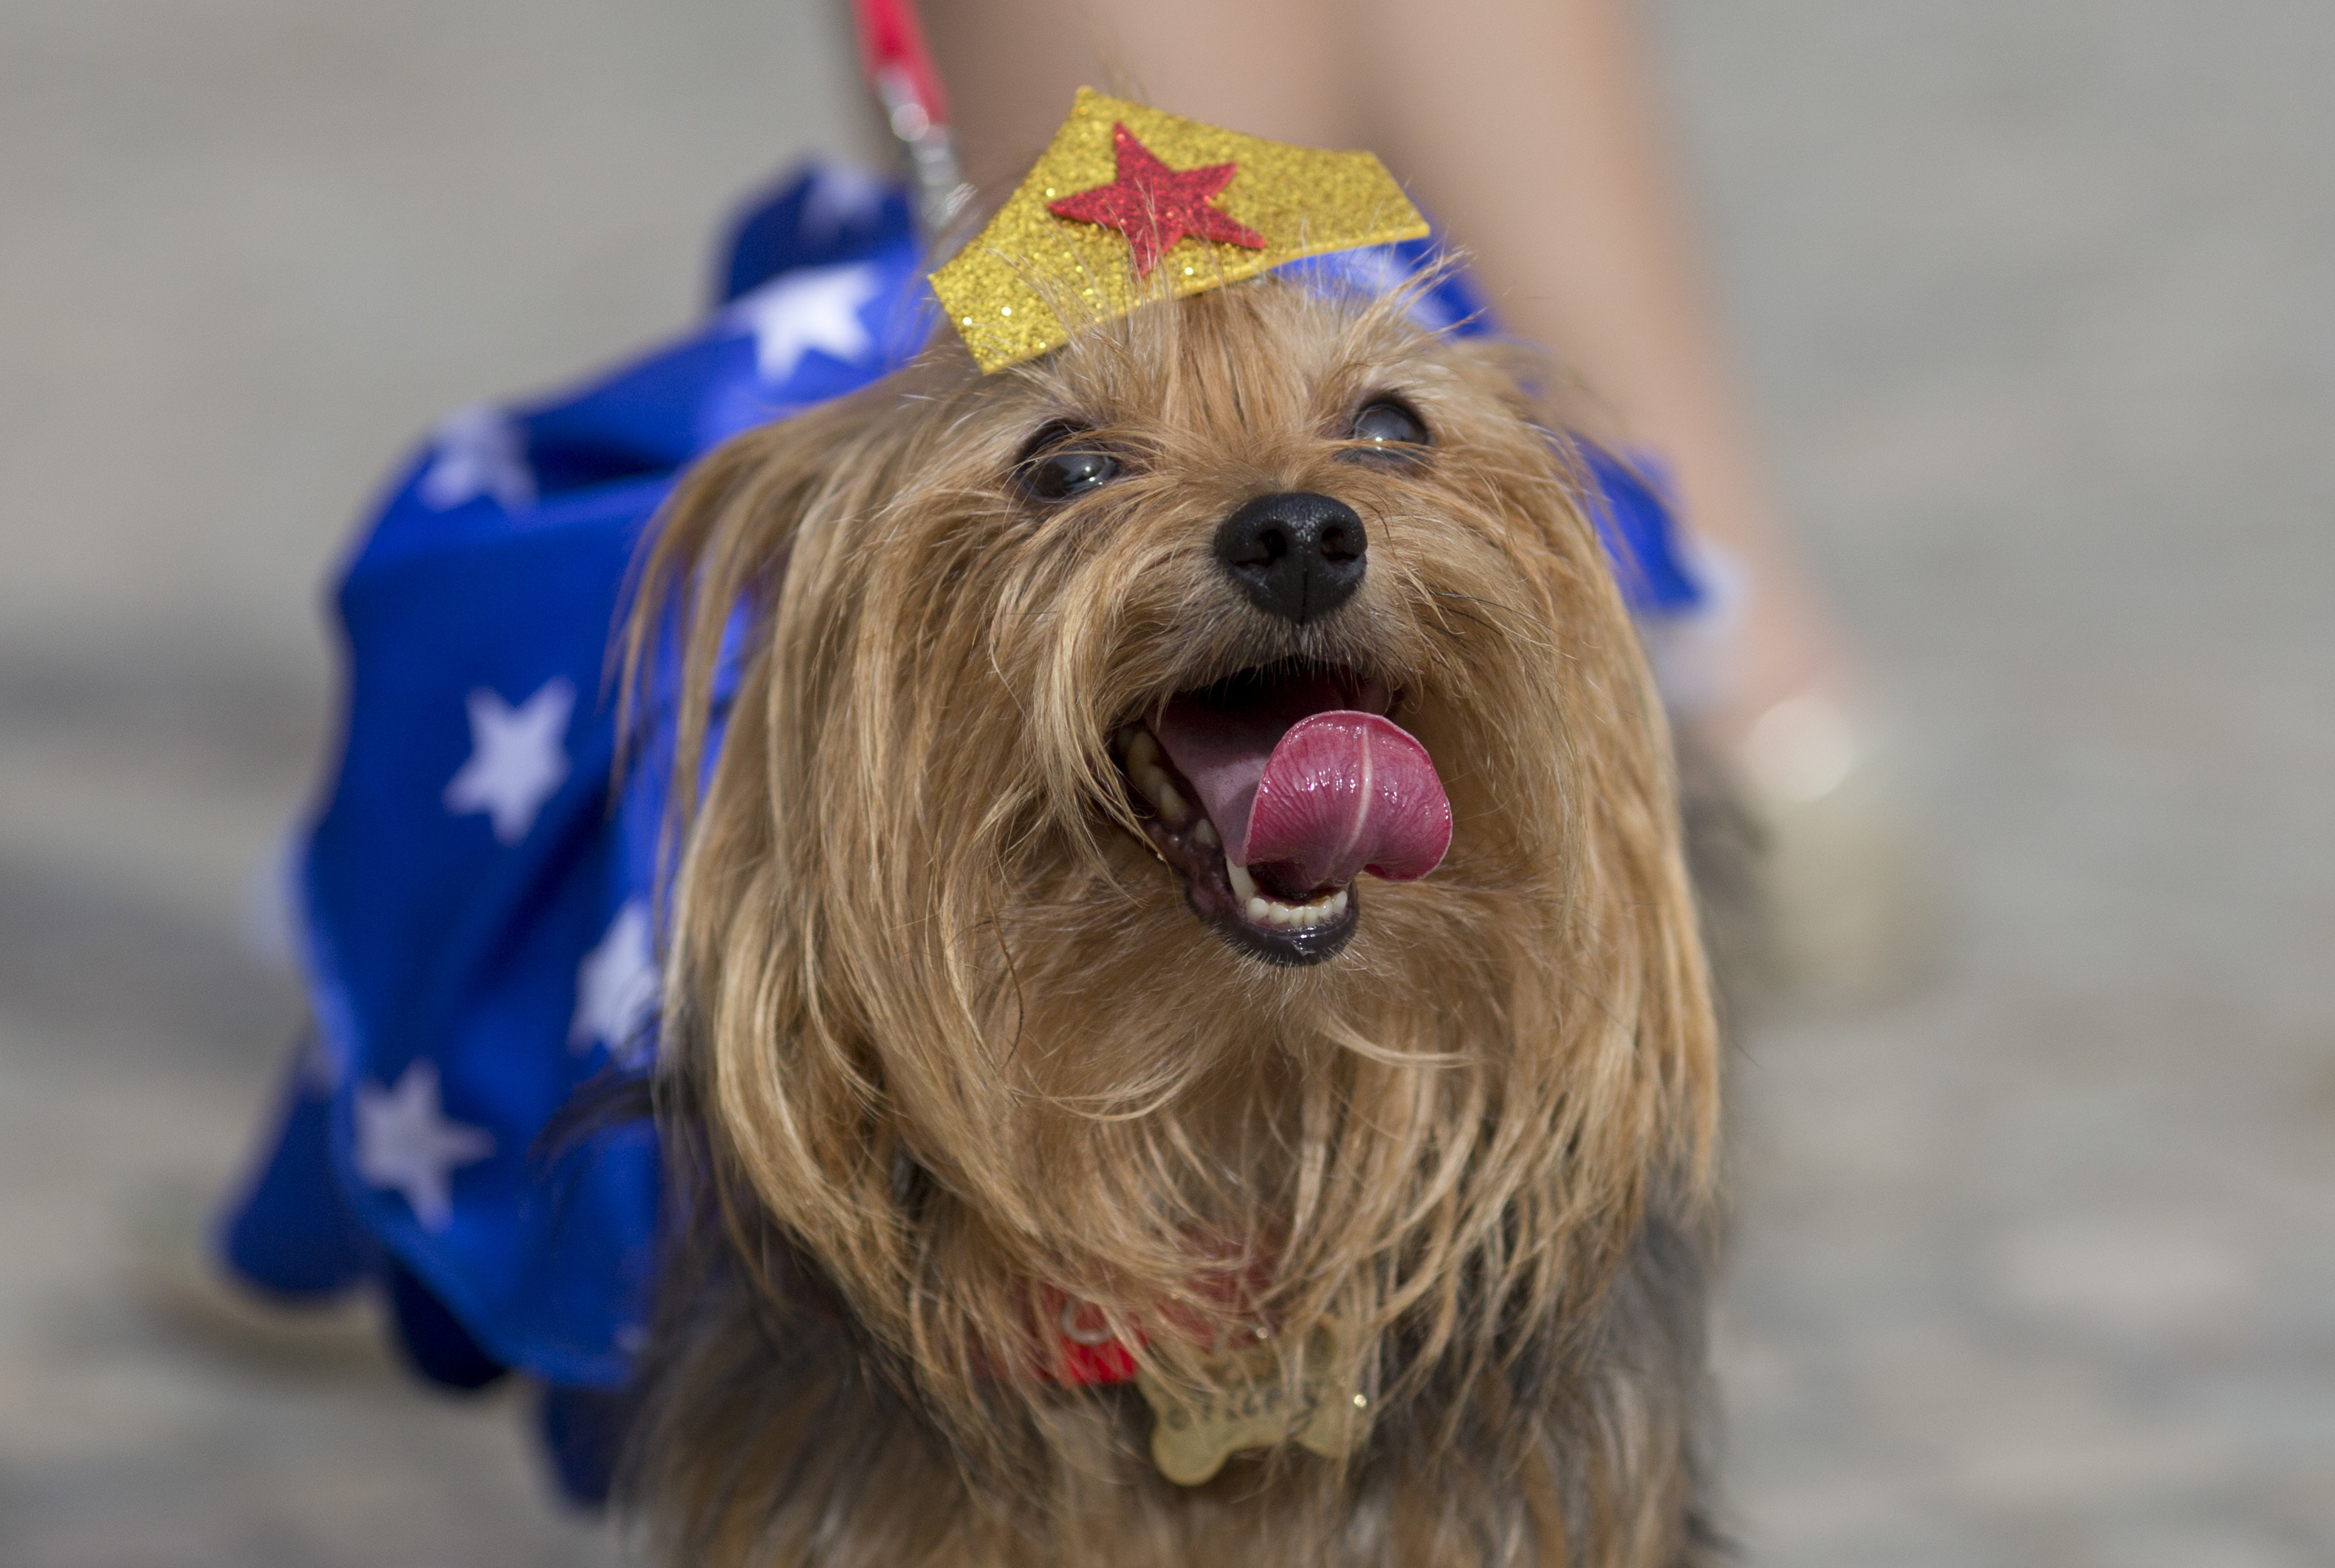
(1272, 68)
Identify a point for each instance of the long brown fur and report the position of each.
(942, 1036)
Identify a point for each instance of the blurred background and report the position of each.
(2036, 1266)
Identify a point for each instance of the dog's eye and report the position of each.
(1059, 476)
(1059, 467)
(1387, 427)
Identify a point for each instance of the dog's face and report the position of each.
(1072, 894)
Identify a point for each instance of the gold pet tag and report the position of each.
(1249, 1405)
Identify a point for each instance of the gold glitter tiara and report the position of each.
(1127, 204)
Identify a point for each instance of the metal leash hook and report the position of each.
(899, 68)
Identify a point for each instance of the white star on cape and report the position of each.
(405, 1141)
(480, 452)
(617, 990)
(515, 759)
(840, 195)
(818, 308)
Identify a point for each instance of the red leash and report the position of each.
(898, 65)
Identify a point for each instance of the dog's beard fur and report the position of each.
(943, 1037)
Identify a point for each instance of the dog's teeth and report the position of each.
(1141, 751)
(1263, 910)
(1152, 779)
(1140, 748)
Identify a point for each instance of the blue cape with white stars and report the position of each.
(476, 891)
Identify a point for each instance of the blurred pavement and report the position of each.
(2038, 1269)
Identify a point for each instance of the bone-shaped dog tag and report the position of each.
(1249, 1404)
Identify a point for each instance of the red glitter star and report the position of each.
(1155, 206)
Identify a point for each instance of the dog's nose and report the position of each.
(1299, 556)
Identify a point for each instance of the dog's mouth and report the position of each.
(1271, 790)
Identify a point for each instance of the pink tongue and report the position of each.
(1327, 795)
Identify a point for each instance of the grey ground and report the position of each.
(2037, 1268)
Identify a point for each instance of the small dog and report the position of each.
(1073, 1075)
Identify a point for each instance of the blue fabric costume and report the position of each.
(476, 890)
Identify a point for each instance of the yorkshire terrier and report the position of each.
(1188, 1039)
